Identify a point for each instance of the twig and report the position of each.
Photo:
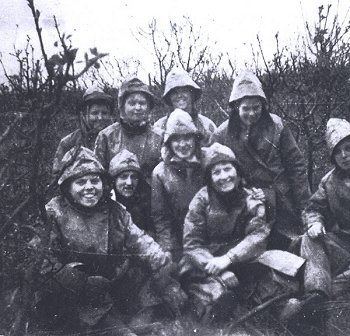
(256, 310)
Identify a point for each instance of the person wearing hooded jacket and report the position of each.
(224, 230)
(267, 151)
(98, 114)
(94, 244)
(131, 189)
(176, 180)
(182, 92)
(326, 218)
(133, 132)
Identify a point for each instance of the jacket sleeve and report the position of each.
(318, 207)
(139, 244)
(62, 149)
(53, 245)
(256, 234)
(295, 166)
(195, 232)
(161, 214)
(101, 150)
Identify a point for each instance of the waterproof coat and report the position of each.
(103, 236)
(330, 207)
(82, 136)
(75, 139)
(145, 143)
(139, 204)
(174, 183)
(231, 224)
(96, 254)
(271, 159)
(212, 227)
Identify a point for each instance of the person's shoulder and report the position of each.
(159, 169)
(156, 132)
(71, 137)
(207, 122)
(55, 205)
(110, 129)
(277, 120)
(202, 196)
(222, 127)
(160, 123)
(328, 177)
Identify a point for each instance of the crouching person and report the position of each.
(94, 245)
(326, 244)
(224, 231)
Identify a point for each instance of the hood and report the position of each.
(179, 122)
(131, 86)
(337, 130)
(124, 161)
(95, 94)
(178, 77)
(246, 85)
(216, 153)
(79, 162)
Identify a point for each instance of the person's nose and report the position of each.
(128, 181)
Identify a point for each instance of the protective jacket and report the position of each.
(174, 183)
(139, 204)
(328, 256)
(145, 142)
(270, 158)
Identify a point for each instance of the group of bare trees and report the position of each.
(305, 86)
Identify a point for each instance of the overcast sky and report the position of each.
(109, 25)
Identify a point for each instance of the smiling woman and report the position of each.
(87, 190)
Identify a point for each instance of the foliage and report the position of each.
(309, 85)
(33, 99)
(305, 85)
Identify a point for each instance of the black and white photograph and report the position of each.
(174, 168)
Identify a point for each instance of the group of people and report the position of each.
(155, 220)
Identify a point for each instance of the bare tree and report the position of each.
(36, 94)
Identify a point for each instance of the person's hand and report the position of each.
(217, 264)
(259, 194)
(316, 230)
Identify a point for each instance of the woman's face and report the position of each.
(99, 116)
(126, 183)
(181, 97)
(136, 107)
(224, 177)
(87, 190)
(341, 155)
(249, 110)
(183, 145)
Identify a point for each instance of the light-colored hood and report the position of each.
(246, 85)
(337, 130)
(124, 161)
(178, 77)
